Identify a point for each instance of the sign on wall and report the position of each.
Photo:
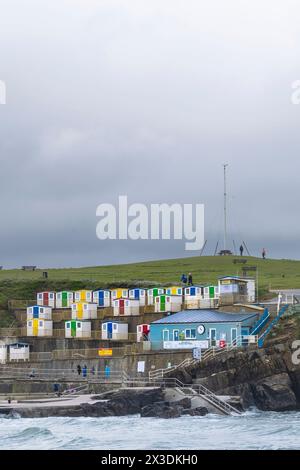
(185, 344)
(105, 352)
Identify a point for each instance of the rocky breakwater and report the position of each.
(265, 378)
(146, 402)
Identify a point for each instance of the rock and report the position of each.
(275, 393)
(199, 411)
(185, 403)
(161, 410)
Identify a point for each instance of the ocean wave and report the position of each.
(253, 430)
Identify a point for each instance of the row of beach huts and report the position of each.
(83, 305)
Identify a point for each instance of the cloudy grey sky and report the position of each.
(146, 98)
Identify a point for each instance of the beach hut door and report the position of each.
(35, 327)
(163, 303)
(64, 299)
(121, 307)
(101, 298)
(46, 298)
(73, 329)
(109, 330)
(193, 291)
(35, 312)
(211, 292)
(136, 294)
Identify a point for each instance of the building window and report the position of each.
(190, 333)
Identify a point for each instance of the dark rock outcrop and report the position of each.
(265, 378)
(123, 402)
(275, 393)
(199, 411)
(161, 410)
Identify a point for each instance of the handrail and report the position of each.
(261, 322)
(262, 337)
(72, 391)
(206, 355)
(196, 389)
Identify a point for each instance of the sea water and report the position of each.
(251, 430)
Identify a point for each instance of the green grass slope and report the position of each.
(206, 269)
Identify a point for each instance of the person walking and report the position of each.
(190, 279)
(79, 369)
(84, 371)
(93, 370)
(264, 253)
(241, 250)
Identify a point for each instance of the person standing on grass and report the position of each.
(190, 279)
(264, 253)
(241, 250)
(183, 279)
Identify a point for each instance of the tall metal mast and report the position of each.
(225, 207)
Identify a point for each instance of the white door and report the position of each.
(213, 336)
(233, 336)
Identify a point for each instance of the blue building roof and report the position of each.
(204, 316)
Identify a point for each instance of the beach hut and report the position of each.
(19, 352)
(64, 299)
(168, 303)
(39, 312)
(192, 296)
(126, 307)
(83, 296)
(174, 290)
(152, 293)
(114, 330)
(101, 298)
(38, 327)
(3, 353)
(46, 298)
(119, 293)
(142, 332)
(211, 292)
(138, 294)
(78, 329)
(84, 311)
(234, 289)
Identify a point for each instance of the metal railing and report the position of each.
(91, 375)
(190, 390)
(208, 354)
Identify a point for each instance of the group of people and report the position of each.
(263, 253)
(187, 280)
(83, 370)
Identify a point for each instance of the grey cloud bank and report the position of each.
(148, 99)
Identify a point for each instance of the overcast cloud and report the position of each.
(147, 98)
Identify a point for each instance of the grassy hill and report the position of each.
(272, 273)
(17, 284)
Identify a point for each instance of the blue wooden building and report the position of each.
(190, 329)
